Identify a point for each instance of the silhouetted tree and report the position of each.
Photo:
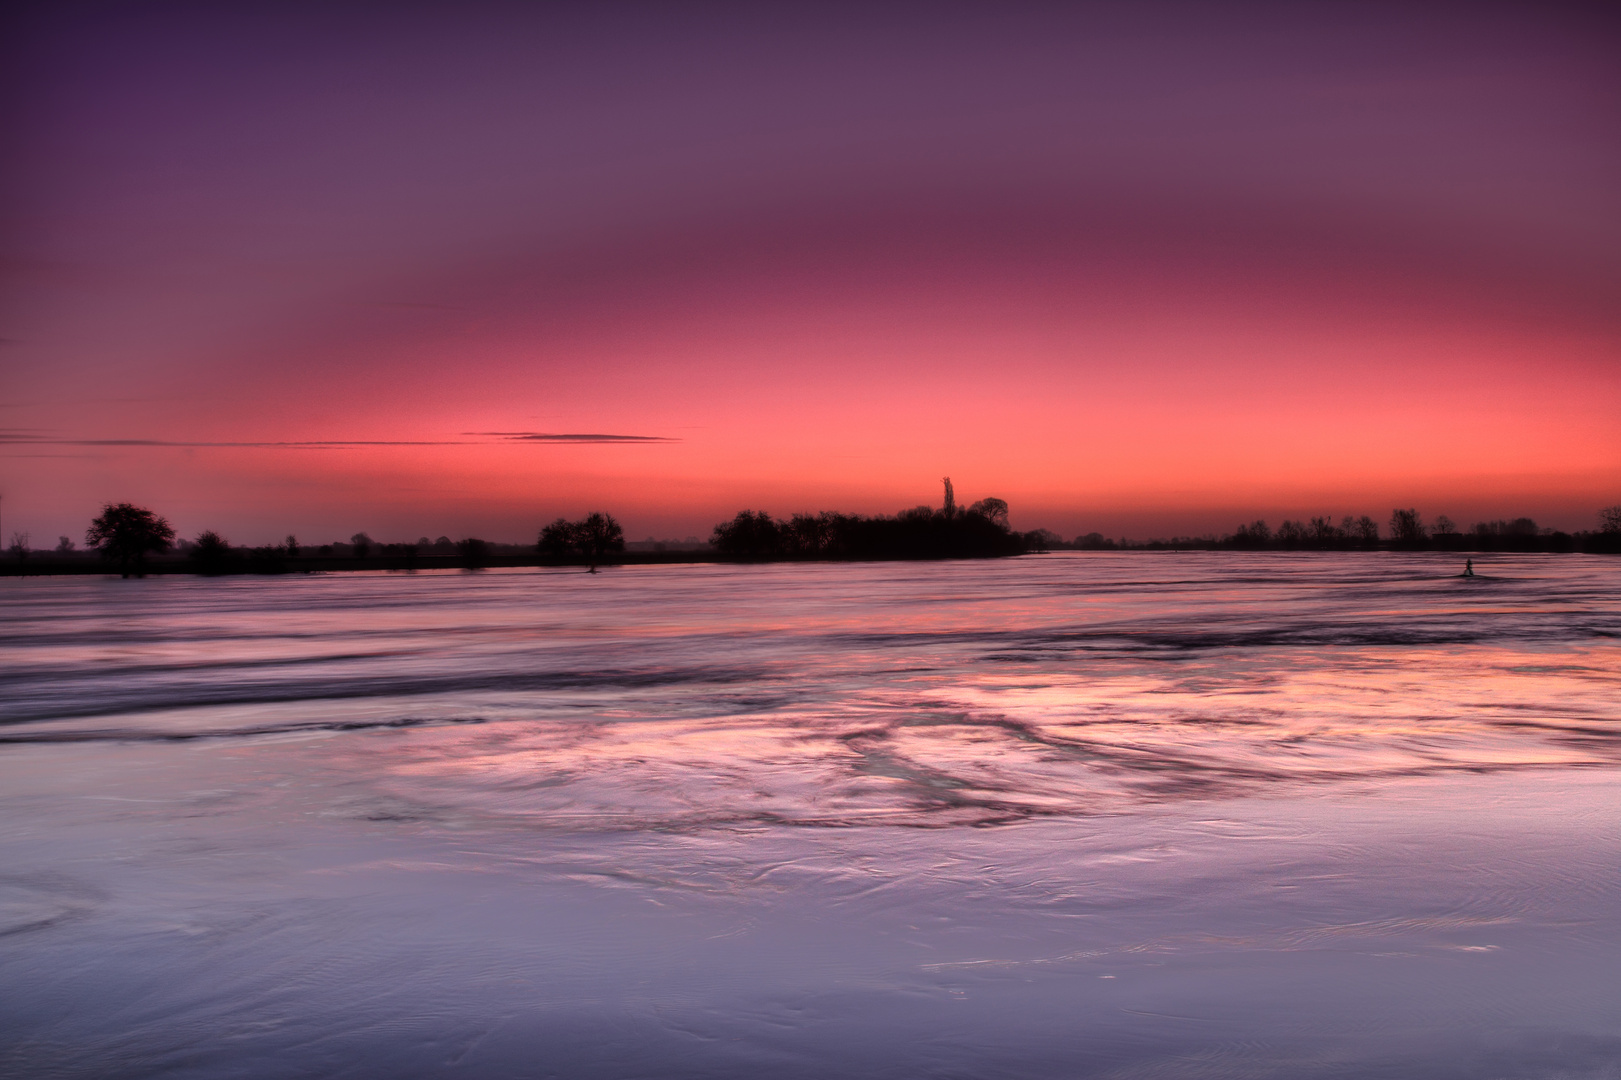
(951, 498)
(1292, 533)
(292, 546)
(1407, 527)
(591, 539)
(1041, 540)
(600, 536)
(64, 545)
(362, 544)
(1255, 534)
(126, 534)
(210, 553)
(991, 509)
(750, 535)
(19, 545)
(1610, 519)
(1323, 532)
(1520, 529)
(1445, 534)
(1364, 529)
(808, 536)
(557, 541)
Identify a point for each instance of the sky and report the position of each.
(1143, 269)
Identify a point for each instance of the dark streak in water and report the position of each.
(137, 735)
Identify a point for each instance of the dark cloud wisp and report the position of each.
(475, 438)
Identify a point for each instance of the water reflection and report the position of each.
(938, 695)
(1083, 815)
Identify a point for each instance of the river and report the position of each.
(1083, 814)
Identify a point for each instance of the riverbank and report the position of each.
(51, 565)
(43, 564)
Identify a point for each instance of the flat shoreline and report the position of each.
(48, 566)
(45, 566)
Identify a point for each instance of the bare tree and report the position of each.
(1255, 534)
(1610, 519)
(591, 539)
(808, 535)
(1407, 526)
(951, 498)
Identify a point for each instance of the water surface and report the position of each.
(1078, 815)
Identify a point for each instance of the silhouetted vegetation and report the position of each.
(270, 559)
(1407, 528)
(474, 553)
(1042, 540)
(210, 553)
(1408, 532)
(1252, 535)
(993, 509)
(590, 540)
(127, 534)
(922, 532)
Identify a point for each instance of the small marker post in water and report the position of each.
(1468, 568)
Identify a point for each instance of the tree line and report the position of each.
(1406, 530)
(978, 531)
(127, 535)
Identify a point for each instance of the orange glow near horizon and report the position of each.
(1079, 427)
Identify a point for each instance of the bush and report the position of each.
(210, 553)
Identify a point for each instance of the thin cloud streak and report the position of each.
(17, 438)
(538, 436)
